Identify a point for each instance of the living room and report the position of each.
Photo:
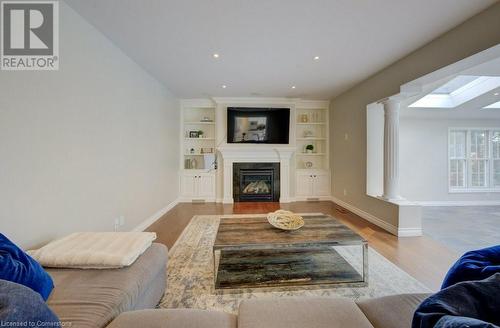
(248, 164)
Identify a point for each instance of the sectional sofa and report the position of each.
(93, 298)
(127, 297)
(384, 312)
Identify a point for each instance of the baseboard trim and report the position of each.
(409, 232)
(367, 216)
(145, 224)
(459, 203)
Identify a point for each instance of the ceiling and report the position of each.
(471, 109)
(267, 46)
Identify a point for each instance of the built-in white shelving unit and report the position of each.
(198, 132)
(312, 130)
(305, 175)
(197, 150)
(312, 178)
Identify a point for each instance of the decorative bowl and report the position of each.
(285, 220)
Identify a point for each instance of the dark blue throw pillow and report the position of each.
(19, 267)
(474, 265)
(477, 300)
(20, 306)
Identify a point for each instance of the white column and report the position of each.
(285, 157)
(228, 182)
(284, 182)
(391, 149)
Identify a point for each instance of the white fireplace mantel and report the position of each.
(256, 154)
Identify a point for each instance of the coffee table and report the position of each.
(249, 252)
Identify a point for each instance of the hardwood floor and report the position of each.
(421, 257)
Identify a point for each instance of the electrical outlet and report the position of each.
(345, 192)
(119, 222)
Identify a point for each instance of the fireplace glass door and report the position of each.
(256, 185)
(254, 182)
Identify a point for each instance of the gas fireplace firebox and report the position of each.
(256, 182)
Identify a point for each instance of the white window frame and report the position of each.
(468, 174)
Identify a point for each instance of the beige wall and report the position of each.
(348, 160)
(86, 144)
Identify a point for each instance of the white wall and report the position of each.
(85, 144)
(424, 159)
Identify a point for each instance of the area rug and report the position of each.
(190, 281)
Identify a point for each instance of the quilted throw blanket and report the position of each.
(94, 250)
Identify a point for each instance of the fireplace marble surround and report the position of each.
(251, 154)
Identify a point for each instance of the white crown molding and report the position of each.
(301, 103)
(256, 100)
(155, 217)
(313, 104)
(197, 102)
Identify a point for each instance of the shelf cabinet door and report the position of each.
(304, 185)
(189, 185)
(206, 185)
(321, 184)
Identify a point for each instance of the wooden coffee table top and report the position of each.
(254, 232)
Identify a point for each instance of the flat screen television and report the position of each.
(258, 125)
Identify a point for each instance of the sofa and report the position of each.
(93, 298)
(301, 312)
(127, 297)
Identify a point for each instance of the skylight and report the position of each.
(455, 84)
(457, 91)
(493, 106)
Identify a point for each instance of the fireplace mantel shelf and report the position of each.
(257, 152)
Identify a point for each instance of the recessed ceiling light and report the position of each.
(496, 93)
(215, 55)
(224, 86)
(293, 87)
(316, 57)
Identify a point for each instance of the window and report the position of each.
(474, 159)
(495, 149)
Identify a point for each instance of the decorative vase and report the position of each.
(194, 163)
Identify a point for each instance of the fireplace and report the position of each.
(256, 182)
